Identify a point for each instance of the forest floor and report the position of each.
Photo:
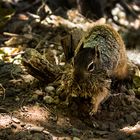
(28, 110)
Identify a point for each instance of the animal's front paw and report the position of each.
(93, 112)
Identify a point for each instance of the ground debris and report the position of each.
(29, 108)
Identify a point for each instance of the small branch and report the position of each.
(39, 67)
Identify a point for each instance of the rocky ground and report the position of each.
(27, 111)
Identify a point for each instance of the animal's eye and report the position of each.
(91, 67)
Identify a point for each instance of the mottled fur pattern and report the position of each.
(99, 56)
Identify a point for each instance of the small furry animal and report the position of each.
(100, 55)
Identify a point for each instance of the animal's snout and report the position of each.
(78, 75)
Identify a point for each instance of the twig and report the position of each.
(11, 34)
(17, 35)
(15, 54)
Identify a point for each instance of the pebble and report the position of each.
(49, 89)
(38, 92)
(115, 11)
(121, 14)
(61, 138)
(101, 133)
(36, 129)
(16, 120)
(17, 99)
(62, 63)
(22, 124)
(60, 48)
(48, 99)
(76, 138)
(13, 126)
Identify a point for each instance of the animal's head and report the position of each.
(85, 63)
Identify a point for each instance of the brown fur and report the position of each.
(105, 48)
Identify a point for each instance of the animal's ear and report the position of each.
(79, 47)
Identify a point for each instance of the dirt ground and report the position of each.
(28, 108)
(24, 114)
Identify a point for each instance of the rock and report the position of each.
(115, 11)
(121, 14)
(3, 110)
(49, 89)
(17, 99)
(76, 138)
(36, 129)
(16, 120)
(22, 124)
(38, 92)
(48, 99)
(101, 133)
(61, 138)
(13, 126)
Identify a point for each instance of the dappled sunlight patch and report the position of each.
(131, 129)
(34, 114)
(5, 120)
(62, 121)
(134, 56)
(8, 53)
